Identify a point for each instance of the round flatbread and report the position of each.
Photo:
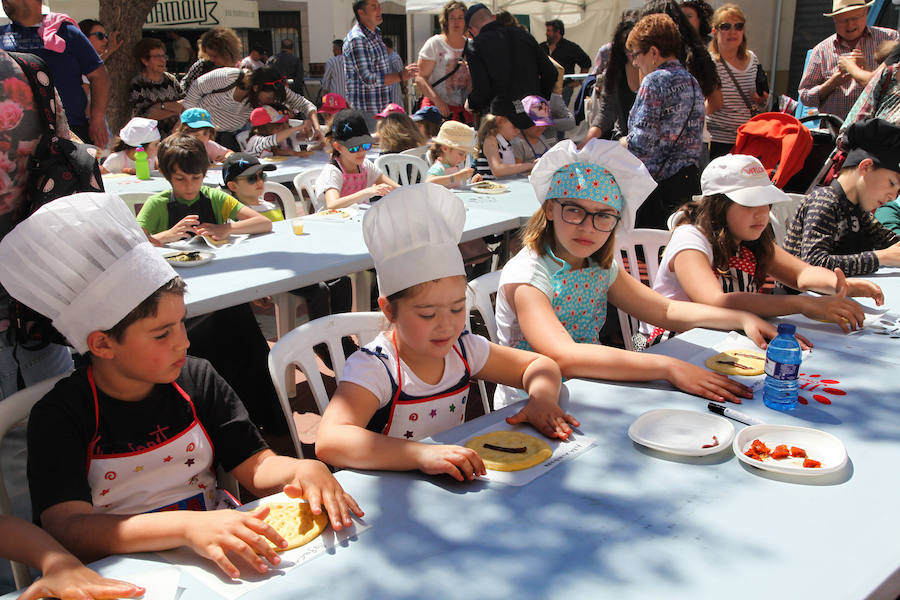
(507, 453)
(738, 362)
(295, 522)
(214, 241)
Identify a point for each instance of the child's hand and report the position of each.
(464, 174)
(477, 177)
(380, 189)
(67, 578)
(459, 463)
(129, 171)
(215, 230)
(180, 230)
(314, 482)
(836, 309)
(857, 287)
(214, 533)
(705, 383)
(547, 417)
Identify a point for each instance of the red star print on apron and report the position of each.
(175, 475)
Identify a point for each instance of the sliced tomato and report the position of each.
(781, 451)
(811, 464)
(798, 452)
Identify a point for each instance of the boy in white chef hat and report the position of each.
(116, 448)
(138, 132)
(413, 380)
(553, 294)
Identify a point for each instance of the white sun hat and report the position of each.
(82, 261)
(742, 178)
(413, 236)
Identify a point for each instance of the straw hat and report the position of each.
(842, 6)
(459, 136)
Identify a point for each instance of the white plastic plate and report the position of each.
(682, 432)
(205, 257)
(819, 445)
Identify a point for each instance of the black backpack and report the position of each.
(57, 167)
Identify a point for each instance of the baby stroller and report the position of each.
(795, 156)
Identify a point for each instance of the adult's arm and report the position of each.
(99, 81)
(817, 84)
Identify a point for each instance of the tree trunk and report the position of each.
(127, 17)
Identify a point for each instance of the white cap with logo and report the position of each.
(742, 178)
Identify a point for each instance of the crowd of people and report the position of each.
(673, 87)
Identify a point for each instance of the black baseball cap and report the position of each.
(513, 110)
(241, 164)
(472, 10)
(350, 129)
(876, 139)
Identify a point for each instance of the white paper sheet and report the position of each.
(562, 451)
(207, 573)
(161, 583)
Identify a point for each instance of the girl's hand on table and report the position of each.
(836, 309)
(460, 463)
(547, 417)
(67, 578)
(213, 534)
(705, 383)
(315, 483)
(477, 177)
(380, 189)
(857, 287)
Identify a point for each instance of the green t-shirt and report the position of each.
(154, 215)
(889, 216)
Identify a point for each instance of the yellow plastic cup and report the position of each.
(297, 226)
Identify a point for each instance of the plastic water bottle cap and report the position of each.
(786, 328)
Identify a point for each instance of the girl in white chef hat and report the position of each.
(553, 294)
(412, 381)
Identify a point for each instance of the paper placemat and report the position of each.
(199, 240)
(160, 584)
(562, 452)
(209, 574)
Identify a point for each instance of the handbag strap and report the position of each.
(31, 65)
(736, 84)
(683, 127)
(459, 63)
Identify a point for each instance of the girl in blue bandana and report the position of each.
(553, 294)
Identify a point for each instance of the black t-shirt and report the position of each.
(61, 427)
(568, 54)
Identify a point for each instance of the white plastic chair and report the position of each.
(242, 138)
(296, 350)
(418, 152)
(652, 241)
(396, 167)
(13, 411)
(673, 218)
(288, 201)
(306, 181)
(781, 213)
(134, 201)
(478, 297)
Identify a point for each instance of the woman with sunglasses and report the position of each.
(104, 43)
(154, 93)
(737, 67)
(231, 94)
(350, 177)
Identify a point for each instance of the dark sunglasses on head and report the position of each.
(252, 178)
(100, 35)
(355, 149)
(728, 26)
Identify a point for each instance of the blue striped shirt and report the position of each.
(365, 65)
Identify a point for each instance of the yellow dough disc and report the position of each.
(295, 522)
(738, 362)
(536, 450)
(214, 241)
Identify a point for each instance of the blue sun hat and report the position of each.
(603, 171)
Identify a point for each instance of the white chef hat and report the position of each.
(588, 171)
(413, 235)
(83, 262)
(139, 131)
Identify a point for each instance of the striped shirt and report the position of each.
(227, 113)
(733, 113)
(830, 231)
(824, 61)
(334, 81)
(143, 94)
(365, 65)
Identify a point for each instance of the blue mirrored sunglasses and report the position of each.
(355, 149)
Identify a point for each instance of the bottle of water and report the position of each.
(782, 366)
(141, 164)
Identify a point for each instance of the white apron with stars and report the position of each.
(174, 475)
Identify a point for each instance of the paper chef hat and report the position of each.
(413, 234)
(630, 174)
(83, 262)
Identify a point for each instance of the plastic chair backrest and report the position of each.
(781, 213)
(480, 291)
(652, 241)
(305, 180)
(13, 411)
(418, 151)
(134, 201)
(402, 168)
(288, 201)
(296, 350)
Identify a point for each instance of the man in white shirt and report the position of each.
(254, 60)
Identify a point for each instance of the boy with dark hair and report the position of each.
(833, 226)
(191, 208)
(117, 450)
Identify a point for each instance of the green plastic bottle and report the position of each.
(141, 164)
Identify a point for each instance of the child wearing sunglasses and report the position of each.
(271, 133)
(245, 177)
(350, 178)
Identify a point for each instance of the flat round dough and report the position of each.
(295, 522)
(751, 362)
(536, 450)
(214, 241)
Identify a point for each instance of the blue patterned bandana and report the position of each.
(586, 181)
